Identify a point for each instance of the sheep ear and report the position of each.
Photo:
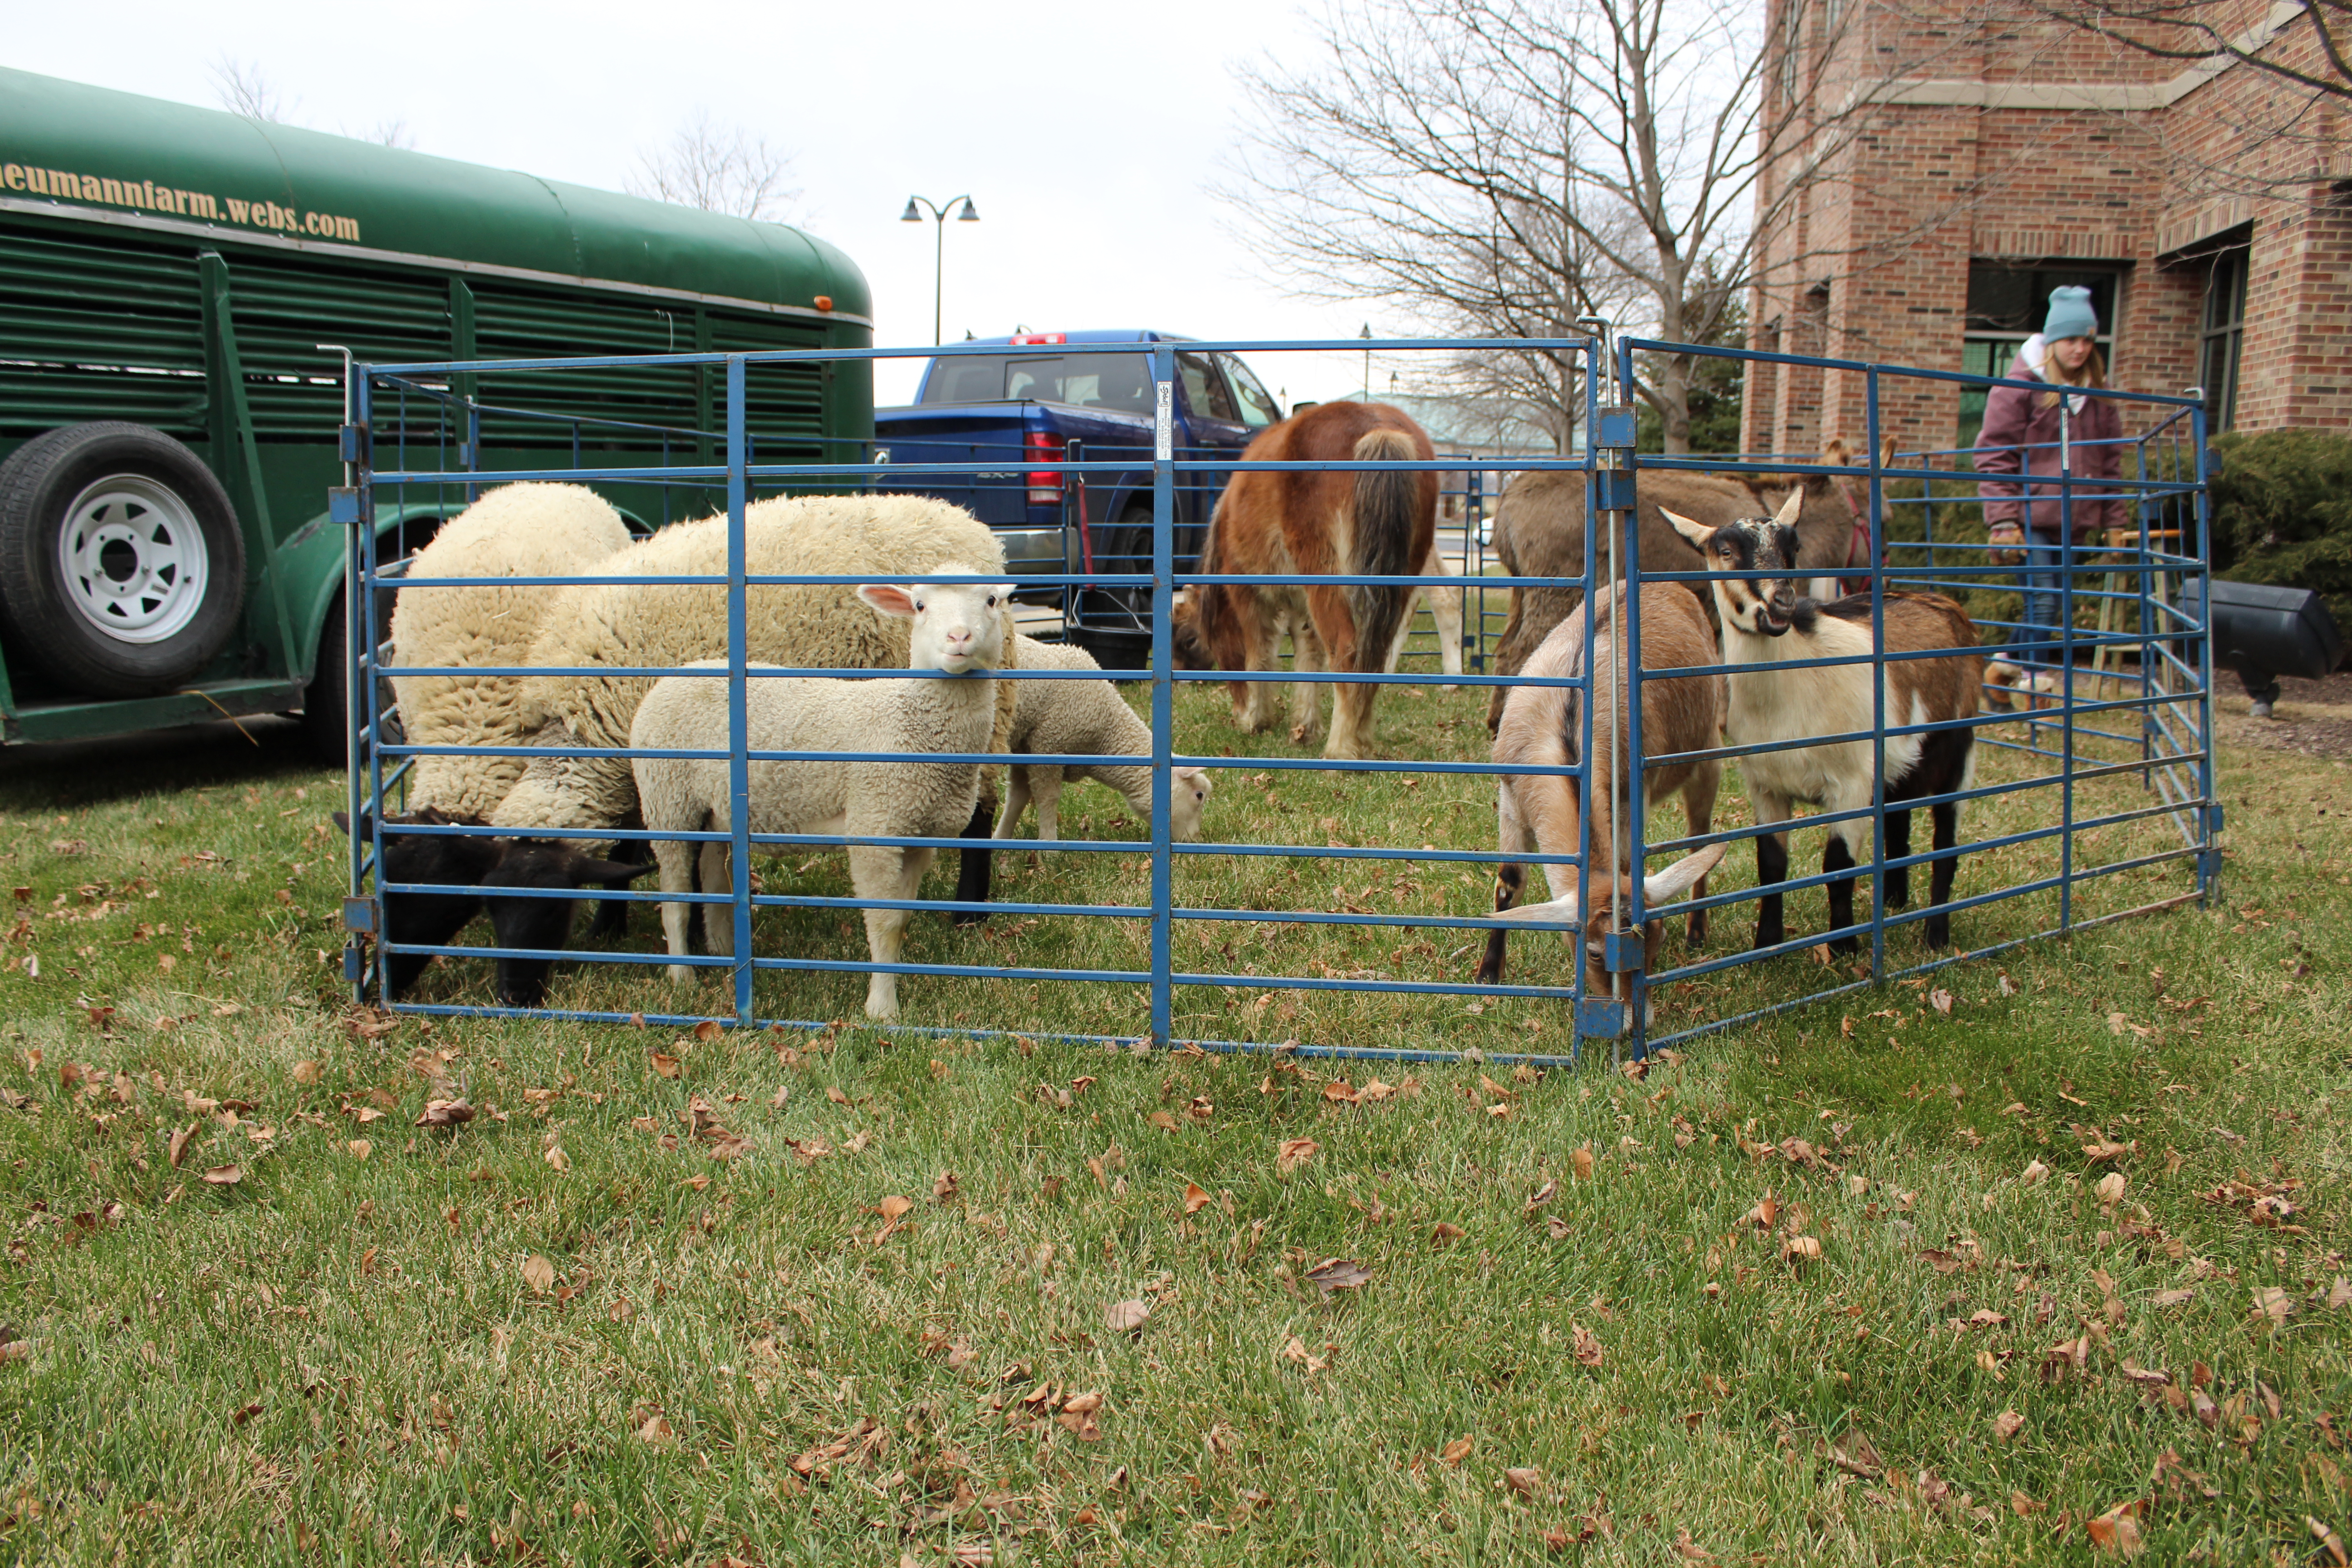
(889, 598)
(1698, 533)
(1786, 516)
(1188, 775)
(1680, 877)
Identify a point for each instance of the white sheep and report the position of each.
(960, 629)
(527, 529)
(1085, 717)
(646, 623)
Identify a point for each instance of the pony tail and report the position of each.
(1382, 539)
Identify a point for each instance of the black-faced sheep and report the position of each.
(959, 629)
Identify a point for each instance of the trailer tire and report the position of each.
(326, 701)
(121, 564)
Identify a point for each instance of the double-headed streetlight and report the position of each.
(914, 213)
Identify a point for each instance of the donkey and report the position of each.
(1766, 623)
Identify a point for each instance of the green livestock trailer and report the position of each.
(168, 419)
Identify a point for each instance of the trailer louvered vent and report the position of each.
(283, 312)
(98, 331)
(783, 405)
(618, 412)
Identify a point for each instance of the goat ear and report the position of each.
(1886, 451)
(1680, 877)
(1786, 516)
(889, 598)
(1698, 533)
(1834, 453)
(1563, 910)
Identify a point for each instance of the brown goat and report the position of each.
(1540, 533)
(1543, 812)
(1767, 624)
(1371, 523)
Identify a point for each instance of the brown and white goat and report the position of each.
(1544, 813)
(1767, 624)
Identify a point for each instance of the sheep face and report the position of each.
(1759, 607)
(541, 922)
(425, 920)
(1188, 796)
(960, 627)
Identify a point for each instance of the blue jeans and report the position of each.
(2043, 585)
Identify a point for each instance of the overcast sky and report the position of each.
(1086, 133)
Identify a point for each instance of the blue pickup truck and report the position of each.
(1050, 397)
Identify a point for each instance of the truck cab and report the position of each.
(996, 406)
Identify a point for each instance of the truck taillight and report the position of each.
(1021, 337)
(1045, 484)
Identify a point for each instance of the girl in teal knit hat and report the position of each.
(2030, 433)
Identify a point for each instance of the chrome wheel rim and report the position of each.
(134, 559)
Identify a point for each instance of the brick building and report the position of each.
(2207, 205)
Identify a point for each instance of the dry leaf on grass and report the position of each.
(1581, 1161)
(2271, 1301)
(726, 1146)
(538, 1274)
(1856, 1455)
(1540, 1197)
(1588, 1350)
(360, 1148)
(224, 1175)
(1524, 1481)
(2035, 1173)
(1446, 1234)
(2331, 1545)
(2006, 1424)
(179, 1145)
(445, 1113)
(305, 1072)
(1195, 1198)
(945, 1187)
(662, 1063)
(893, 1207)
(1456, 1451)
(1339, 1274)
(1802, 1249)
(655, 1430)
(1165, 1122)
(2117, 1530)
(1294, 1153)
(2110, 1190)
(1126, 1317)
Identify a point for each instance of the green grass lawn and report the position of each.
(1857, 1284)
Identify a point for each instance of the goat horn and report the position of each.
(1680, 877)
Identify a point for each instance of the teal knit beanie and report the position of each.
(2071, 315)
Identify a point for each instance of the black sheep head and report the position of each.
(542, 924)
(426, 920)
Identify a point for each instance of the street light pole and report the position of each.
(939, 249)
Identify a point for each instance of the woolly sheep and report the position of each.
(1085, 717)
(515, 530)
(644, 623)
(960, 629)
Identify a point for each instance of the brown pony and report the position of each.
(1374, 524)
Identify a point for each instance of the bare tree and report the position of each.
(718, 168)
(2278, 83)
(240, 88)
(1513, 165)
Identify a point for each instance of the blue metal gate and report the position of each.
(416, 432)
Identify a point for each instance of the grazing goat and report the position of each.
(960, 630)
(1767, 623)
(1370, 523)
(1543, 812)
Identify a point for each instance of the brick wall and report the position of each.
(1924, 187)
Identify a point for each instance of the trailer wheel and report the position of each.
(122, 565)
(326, 701)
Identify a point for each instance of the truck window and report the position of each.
(1258, 407)
(1120, 383)
(1205, 389)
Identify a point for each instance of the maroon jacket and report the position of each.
(2019, 432)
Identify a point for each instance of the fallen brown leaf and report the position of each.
(662, 1063)
(1294, 1153)
(445, 1113)
(538, 1274)
(1580, 1162)
(1126, 1317)
(1339, 1274)
(1587, 1346)
(1525, 1482)
(2117, 1530)
(1195, 1198)
(1855, 1453)
(1446, 1234)
(2006, 1424)
(224, 1175)
(178, 1148)
(1456, 1451)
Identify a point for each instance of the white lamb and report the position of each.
(959, 629)
(515, 530)
(1085, 717)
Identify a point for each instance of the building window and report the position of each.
(2224, 335)
(2006, 304)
